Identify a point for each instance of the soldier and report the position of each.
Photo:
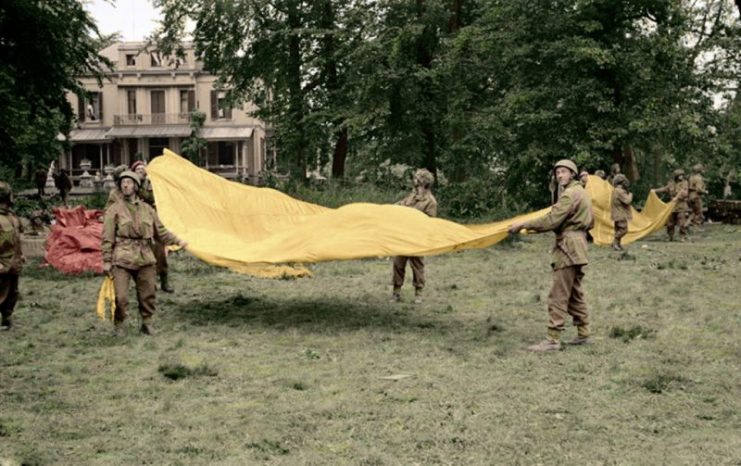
(421, 199)
(38, 227)
(601, 174)
(40, 179)
(11, 256)
(696, 188)
(129, 228)
(584, 178)
(620, 208)
(63, 184)
(678, 189)
(570, 219)
(145, 193)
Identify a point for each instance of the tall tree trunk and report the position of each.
(424, 59)
(340, 154)
(296, 99)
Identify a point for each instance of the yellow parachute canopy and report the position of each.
(263, 232)
(107, 295)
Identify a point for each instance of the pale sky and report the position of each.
(134, 19)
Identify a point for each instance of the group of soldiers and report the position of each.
(134, 240)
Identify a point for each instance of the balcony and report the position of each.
(141, 119)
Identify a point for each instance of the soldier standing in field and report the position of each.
(11, 256)
(115, 193)
(696, 188)
(421, 199)
(614, 171)
(147, 195)
(620, 211)
(570, 219)
(129, 228)
(678, 189)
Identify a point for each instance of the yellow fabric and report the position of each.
(107, 294)
(265, 233)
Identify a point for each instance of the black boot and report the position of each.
(164, 285)
(6, 324)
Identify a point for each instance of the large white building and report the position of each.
(143, 106)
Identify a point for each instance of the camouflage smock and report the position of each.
(570, 218)
(675, 188)
(696, 186)
(129, 228)
(425, 202)
(620, 205)
(11, 256)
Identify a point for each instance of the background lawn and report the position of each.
(251, 371)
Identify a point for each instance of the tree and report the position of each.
(44, 44)
(194, 144)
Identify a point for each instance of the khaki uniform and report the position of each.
(679, 215)
(696, 187)
(620, 212)
(129, 228)
(11, 262)
(428, 204)
(570, 219)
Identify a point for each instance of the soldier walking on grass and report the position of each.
(11, 256)
(421, 199)
(620, 208)
(696, 188)
(129, 228)
(147, 195)
(678, 189)
(570, 219)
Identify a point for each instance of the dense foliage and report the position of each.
(44, 46)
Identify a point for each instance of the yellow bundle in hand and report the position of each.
(107, 294)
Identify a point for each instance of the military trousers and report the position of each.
(680, 219)
(145, 280)
(158, 248)
(567, 298)
(696, 208)
(418, 271)
(621, 229)
(8, 293)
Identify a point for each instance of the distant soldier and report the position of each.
(11, 256)
(696, 187)
(421, 199)
(63, 184)
(620, 211)
(601, 174)
(584, 178)
(129, 227)
(678, 189)
(40, 180)
(38, 227)
(570, 219)
(614, 171)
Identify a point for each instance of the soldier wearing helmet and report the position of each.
(570, 219)
(678, 189)
(129, 228)
(421, 199)
(620, 210)
(696, 188)
(115, 193)
(11, 256)
(614, 171)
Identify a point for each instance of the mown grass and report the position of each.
(250, 371)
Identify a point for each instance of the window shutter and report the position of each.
(228, 113)
(214, 105)
(80, 108)
(100, 106)
(191, 101)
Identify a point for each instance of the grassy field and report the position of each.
(250, 371)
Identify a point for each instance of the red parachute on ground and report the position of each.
(73, 246)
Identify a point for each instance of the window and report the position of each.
(218, 102)
(157, 106)
(157, 146)
(156, 58)
(90, 108)
(131, 101)
(130, 59)
(187, 102)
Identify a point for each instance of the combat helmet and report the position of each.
(698, 168)
(129, 174)
(6, 193)
(620, 179)
(566, 163)
(424, 176)
(678, 172)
